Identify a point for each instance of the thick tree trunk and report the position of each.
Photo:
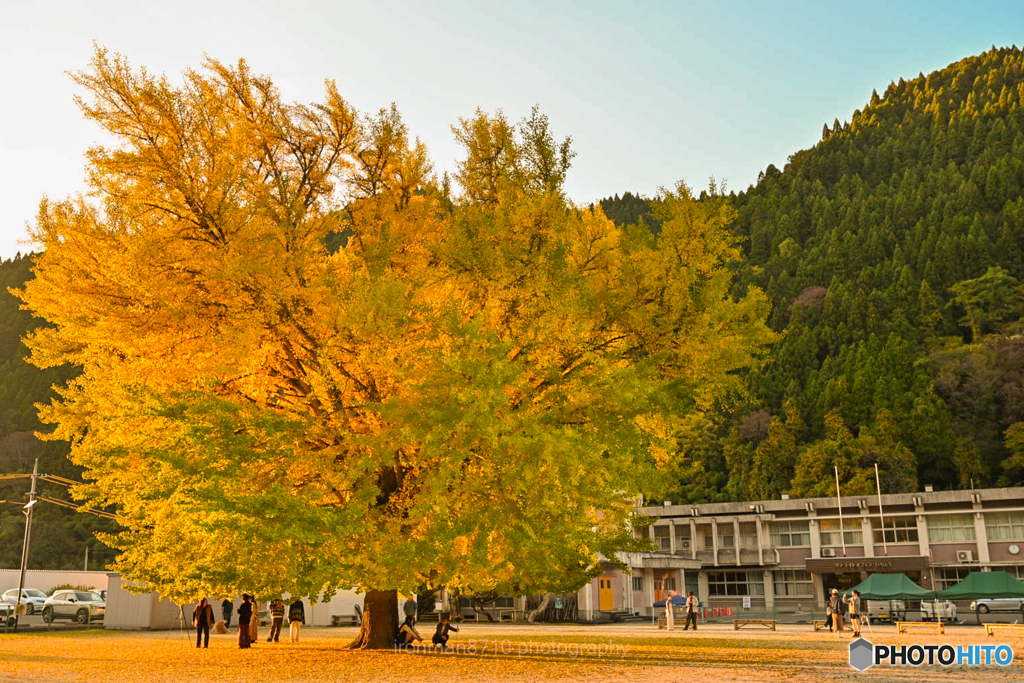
(380, 621)
(541, 608)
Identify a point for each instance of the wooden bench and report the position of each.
(739, 623)
(344, 620)
(905, 626)
(990, 629)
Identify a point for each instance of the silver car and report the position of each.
(986, 605)
(938, 609)
(6, 614)
(30, 597)
(80, 606)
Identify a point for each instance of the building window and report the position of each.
(944, 578)
(638, 584)
(663, 537)
(682, 537)
(897, 530)
(748, 535)
(1004, 526)
(498, 603)
(950, 528)
(790, 534)
(830, 533)
(669, 583)
(726, 538)
(793, 583)
(726, 584)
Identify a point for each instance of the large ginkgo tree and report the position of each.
(308, 364)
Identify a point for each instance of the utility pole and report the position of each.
(86, 558)
(24, 544)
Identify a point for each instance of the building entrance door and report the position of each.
(605, 596)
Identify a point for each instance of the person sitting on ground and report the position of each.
(443, 627)
(407, 632)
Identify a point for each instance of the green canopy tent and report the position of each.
(891, 587)
(985, 585)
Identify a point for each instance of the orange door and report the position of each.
(659, 591)
(605, 596)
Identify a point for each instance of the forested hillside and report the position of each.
(893, 252)
(59, 535)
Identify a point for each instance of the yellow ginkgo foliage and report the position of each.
(306, 364)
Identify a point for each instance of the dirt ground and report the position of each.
(487, 652)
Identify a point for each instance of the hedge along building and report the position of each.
(782, 555)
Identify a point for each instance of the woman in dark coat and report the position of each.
(244, 615)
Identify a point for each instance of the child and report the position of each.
(407, 633)
(443, 627)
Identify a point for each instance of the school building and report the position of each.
(783, 555)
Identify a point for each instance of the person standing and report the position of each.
(244, 615)
(226, 608)
(853, 605)
(296, 618)
(411, 609)
(277, 620)
(254, 623)
(670, 617)
(202, 619)
(835, 604)
(691, 612)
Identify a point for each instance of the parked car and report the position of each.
(941, 609)
(30, 597)
(886, 610)
(80, 606)
(986, 605)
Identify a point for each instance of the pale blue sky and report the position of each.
(651, 92)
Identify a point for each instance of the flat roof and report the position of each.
(967, 497)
